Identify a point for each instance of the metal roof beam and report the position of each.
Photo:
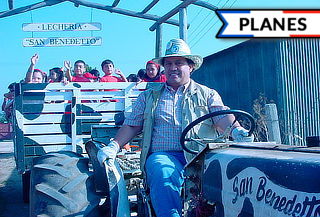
(115, 3)
(204, 5)
(10, 3)
(171, 13)
(149, 6)
(123, 11)
(29, 8)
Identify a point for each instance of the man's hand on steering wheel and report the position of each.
(239, 134)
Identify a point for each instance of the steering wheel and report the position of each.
(183, 138)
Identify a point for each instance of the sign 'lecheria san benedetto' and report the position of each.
(61, 41)
(49, 27)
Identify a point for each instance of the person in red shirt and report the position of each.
(108, 68)
(79, 70)
(55, 75)
(93, 75)
(153, 73)
(35, 75)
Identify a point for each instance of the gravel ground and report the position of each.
(11, 203)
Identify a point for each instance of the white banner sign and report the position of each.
(59, 42)
(52, 27)
(268, 23)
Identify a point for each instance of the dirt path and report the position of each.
(11, 203)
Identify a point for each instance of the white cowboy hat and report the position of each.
(179, 48)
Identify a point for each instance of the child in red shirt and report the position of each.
(108, 68)
(79, 70)
(153, 73)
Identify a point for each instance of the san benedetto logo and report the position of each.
(247, 23)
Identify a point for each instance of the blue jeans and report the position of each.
(165, 178)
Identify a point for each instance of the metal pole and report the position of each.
(272, 122)
(169, 14)
(183, 24)
(158, 41)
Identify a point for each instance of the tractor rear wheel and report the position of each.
(61, 185)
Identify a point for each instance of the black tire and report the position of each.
(25, 186)
(61, 185)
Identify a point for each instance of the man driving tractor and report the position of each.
(161, 114)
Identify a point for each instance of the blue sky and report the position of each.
(126, 40)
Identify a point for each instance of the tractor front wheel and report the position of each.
(61, 185)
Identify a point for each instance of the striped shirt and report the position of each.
(168, 117)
